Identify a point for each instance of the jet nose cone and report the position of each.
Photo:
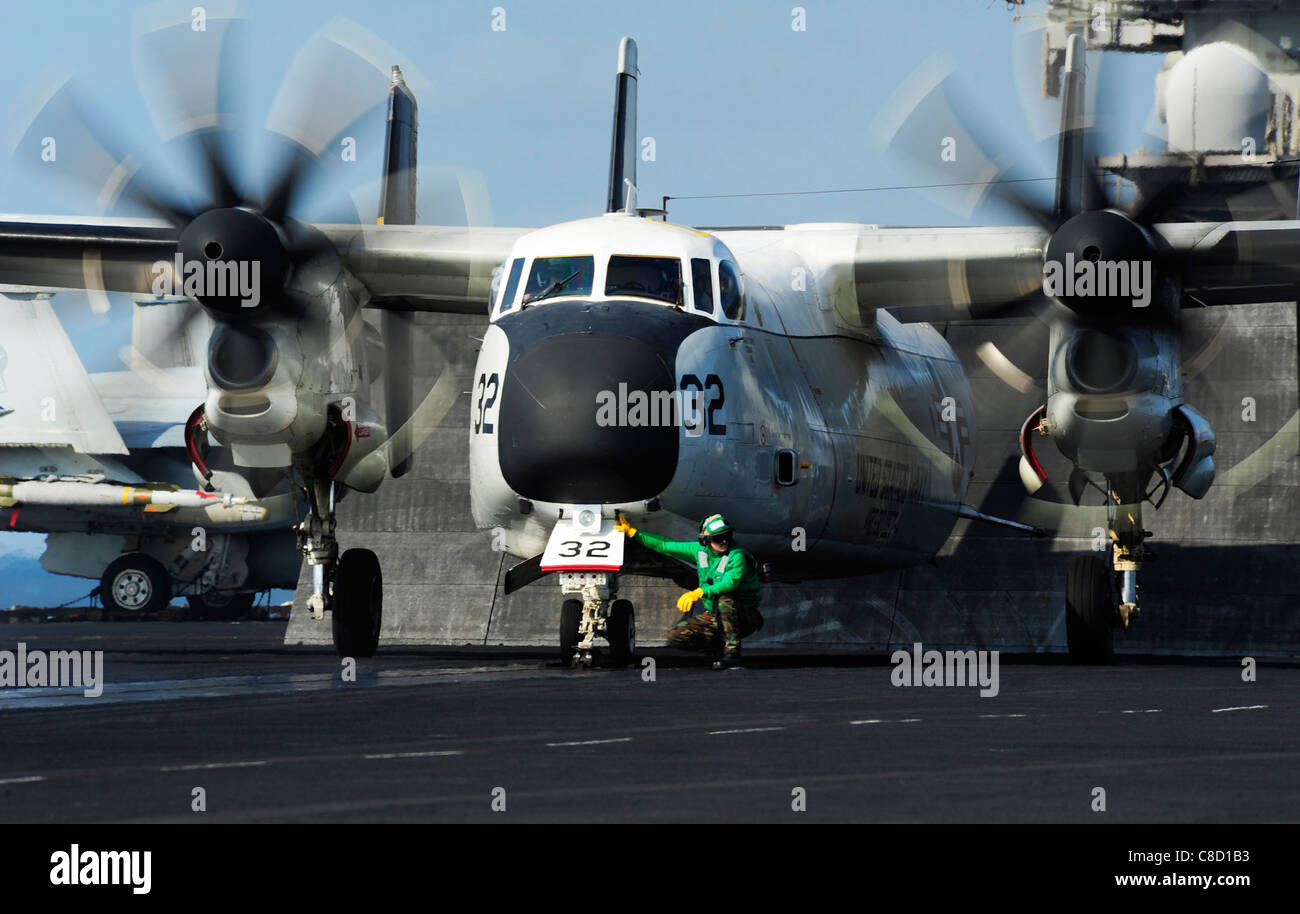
(563, 437)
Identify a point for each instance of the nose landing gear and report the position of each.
(598, 614)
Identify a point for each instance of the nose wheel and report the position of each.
(596, 616)
(570, 622)
(620, 631)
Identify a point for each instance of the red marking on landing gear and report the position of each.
(1026, 444)
(587, 567)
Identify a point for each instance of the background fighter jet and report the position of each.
(97, 462)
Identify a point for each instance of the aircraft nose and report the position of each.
(556, 441)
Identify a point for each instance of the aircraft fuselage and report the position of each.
(828, 448)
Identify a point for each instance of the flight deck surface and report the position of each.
(273, 734)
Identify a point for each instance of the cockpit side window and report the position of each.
(512, 285)
(733, 303)
(702, 282)
(555, 276)
(645, 277)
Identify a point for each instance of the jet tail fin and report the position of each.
(397, 207)
(397, 192)
(46, 397)
(622, 159)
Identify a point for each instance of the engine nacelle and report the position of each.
(257, 404)
(1112, 394)
(1195, 472)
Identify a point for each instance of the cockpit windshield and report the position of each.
(729, 294)
(645, 277)
(552, 276)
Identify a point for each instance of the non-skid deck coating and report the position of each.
(273, 734)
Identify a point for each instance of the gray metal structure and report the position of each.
(1228, 94)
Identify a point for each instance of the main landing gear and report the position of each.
(1101, 591)
(222, 606)
(1089, 610)
(350, 586)
(592, 611)
(135, 582)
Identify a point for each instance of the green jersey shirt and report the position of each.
(734, 572)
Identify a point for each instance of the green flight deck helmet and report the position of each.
(715, 528)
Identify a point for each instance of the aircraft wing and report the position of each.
(56, 252)
(910, 271)
(404, 267)
(46, 397)
(424, 267)
(956, 273)
(1235, 262)
(926, 273)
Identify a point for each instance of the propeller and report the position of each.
(190, 81)
(1083, 221)
(226, 189)
(933, 126)
(923, 128)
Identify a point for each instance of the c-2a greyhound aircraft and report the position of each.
(629, 366)
(667, 373)
(837, 439)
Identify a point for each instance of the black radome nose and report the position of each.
(567, 434)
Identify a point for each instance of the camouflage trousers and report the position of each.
(740, 619)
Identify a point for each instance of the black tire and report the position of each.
(621, 631)
(135, 582)
(357, 605)
(570, 617)
(221, 607)
(1089, 610)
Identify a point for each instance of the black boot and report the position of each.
(729, 660)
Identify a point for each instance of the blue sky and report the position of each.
(736, 101)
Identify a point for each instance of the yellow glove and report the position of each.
(686, 600)
(621, 524)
